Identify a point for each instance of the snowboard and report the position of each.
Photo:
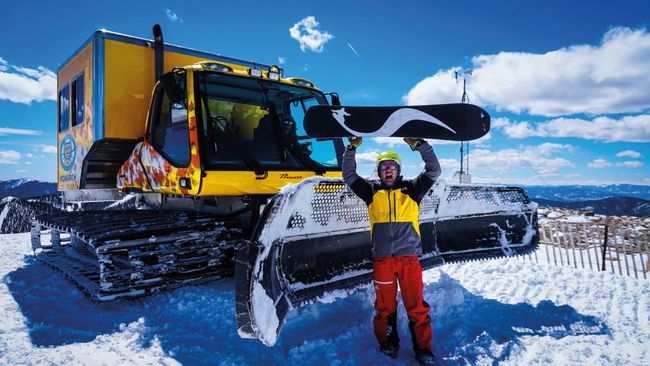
(455, 122)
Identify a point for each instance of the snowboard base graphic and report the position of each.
(455, 122)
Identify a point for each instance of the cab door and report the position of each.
(170, 154)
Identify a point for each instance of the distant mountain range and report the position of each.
(615, 199)
(587, 193)
(616, 206)
(26, 188)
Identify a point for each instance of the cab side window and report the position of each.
(77, 99)
(169, 129)
(64, 108)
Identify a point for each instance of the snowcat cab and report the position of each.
(232, 183)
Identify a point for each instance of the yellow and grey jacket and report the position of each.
(394, 211)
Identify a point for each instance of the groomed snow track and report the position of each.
(130, 253)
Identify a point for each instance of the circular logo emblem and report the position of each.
(68, 152)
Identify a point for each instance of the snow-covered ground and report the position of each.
(506, 311)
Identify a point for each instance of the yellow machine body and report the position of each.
(105, 91)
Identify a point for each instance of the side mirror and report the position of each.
(172, 88)
(334, 99)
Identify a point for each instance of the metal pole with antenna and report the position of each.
(462, 177)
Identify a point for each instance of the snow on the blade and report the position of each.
(503, 240)
(265, 318)
(299, 285)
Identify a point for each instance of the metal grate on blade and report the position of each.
(331, 202)
(429, 204)
(336, 200)
(513, 195)
(493, 195)
(296, 221)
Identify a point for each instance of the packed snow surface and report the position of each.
(506, 311)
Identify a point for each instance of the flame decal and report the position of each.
(393, 123)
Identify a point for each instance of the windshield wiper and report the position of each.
(220, 126)
(290, 143)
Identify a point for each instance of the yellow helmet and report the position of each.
(389, 155)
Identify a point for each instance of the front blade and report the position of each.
(314, 238)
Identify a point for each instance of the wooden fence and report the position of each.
(596, 246)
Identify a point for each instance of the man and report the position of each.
(393, 207)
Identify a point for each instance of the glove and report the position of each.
(413, 143)
(355, 141)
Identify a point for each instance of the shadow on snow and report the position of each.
(197, 325)
(467, 327)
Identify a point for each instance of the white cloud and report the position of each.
(626, 129)
(391, 142)
(50, 149)
(572, 175)
(599, 164)
(24, 85)
(29, 155)
(308, 36)
(4, 131)
(544, 180)
(22, 171)
(628, 153)
(539, 158)
(9, 157)
(171, 15)
(449, 165)
(482, 141)
(367, 157)
(499, 122)
(611, 77)
(630, 164)
(282, 60)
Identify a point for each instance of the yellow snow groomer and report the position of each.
(214, 150)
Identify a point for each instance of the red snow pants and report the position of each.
(405, 270)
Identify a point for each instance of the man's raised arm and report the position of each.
(358, 185)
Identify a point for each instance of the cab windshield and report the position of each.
(249, 124)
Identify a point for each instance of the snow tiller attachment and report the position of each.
(314, 238)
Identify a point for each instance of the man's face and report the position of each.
(388, 172)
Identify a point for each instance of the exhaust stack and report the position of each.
(159, 51)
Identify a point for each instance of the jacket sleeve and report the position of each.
(358, 185)
(432, 171)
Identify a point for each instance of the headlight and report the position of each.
(274, 73)
(215, 66)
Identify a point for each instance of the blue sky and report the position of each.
(567, 85)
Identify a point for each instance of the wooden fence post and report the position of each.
(605, 241)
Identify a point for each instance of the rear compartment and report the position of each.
(104, 90)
